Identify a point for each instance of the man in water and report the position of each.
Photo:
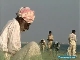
(50, 40)
(56, 46)
(10, 41)
(72, 44)
(42, 44)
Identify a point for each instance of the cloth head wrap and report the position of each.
(27, 14)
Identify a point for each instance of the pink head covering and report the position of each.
(27, 14)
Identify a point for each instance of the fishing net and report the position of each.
(31, 51)
(2, 56)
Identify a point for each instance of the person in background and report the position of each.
(42, 44)
(56, 48)
(10, 41)
(50, 40)
(72, 44)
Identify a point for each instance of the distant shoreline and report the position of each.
(61, 43)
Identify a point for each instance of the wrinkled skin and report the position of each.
(23, 24)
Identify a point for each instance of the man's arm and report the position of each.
(4, 40)
(14, 39)
(48, 37)
(4, 37)
(69, 38)
(75, 38)
(52, 37)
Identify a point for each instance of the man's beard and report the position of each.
(23, 30)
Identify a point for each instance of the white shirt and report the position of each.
(72, 38)
(10, 37)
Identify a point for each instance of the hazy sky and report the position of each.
(59, 16)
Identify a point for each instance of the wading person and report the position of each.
(56, 47)
(50, 41)
(42, 44)
(10, 41)
(72, 44)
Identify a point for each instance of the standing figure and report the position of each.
(10, 41)
(56, 46)
(72, 44)
(50, 40)
(42, 44)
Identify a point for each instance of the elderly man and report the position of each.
(10, 41)
(72, 44)
(50, 40)
(42, 44)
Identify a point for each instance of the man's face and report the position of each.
(25, 26)
(50, 33)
